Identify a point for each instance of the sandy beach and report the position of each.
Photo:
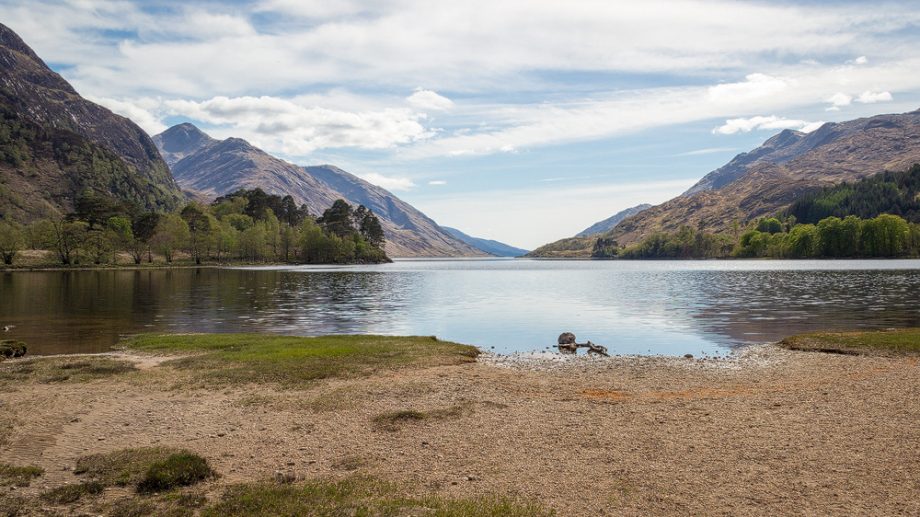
(767, 431)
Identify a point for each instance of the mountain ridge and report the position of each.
(210, 168)
(610, 223)
(490, 246)
(66, 146)
(834, 153)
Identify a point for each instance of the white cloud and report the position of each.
(140, 111)
(478, 45)
(755, 86)
(708, 150)
(861, 60)
(294, 128)
(437, 182)
(871, 97)
(388, 182)
(429, 100)
(746, 125)
(839, 99)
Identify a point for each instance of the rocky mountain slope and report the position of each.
(56, 145)
(212, 167)
(610, 223)
(788, 165)
(492, 247)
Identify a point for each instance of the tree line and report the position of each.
(246, 226)
(895, 193)
(884, 236)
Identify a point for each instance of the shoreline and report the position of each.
(762, 431)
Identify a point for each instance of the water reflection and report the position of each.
(633, 307)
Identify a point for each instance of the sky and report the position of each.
(523, 121)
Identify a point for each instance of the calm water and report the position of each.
(511, 305)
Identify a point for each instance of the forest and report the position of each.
(876, 217)
(895, 193)
(884, 236)
(248, 226)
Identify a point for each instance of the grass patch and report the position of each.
(50, 370)
(165, 505)
(396, 420)
(872, 342)
(11, 475)
(69, 494)
(296, 361)
(357, 495)
(178, 470)
(13, 505)
(149, 469)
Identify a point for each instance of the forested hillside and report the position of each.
(896, 193)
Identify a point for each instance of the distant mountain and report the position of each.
(499, 249)
(580, 245)
(782, 170)
(610, 223)
(56, 146)
(210, 168)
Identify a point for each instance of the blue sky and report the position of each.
(518, 120)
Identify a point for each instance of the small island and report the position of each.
(243, 227)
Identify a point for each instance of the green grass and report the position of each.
(69, 494)
(357, 495)
(297, 361)
(149, 469)
(12, 475)
(873, 342)
(395, 420)
(178, 470)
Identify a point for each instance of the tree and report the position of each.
(885, 236)
(122, 236)
(200, 230)
(803, 241)
(252, 243)
(11, 241)
(338, 219)
(144, 227)
(171, 234)
(67, 238)
(226, 239)
(38, 235)
(770, 225)
(96, 209)
(288, 241)
(272, 232)
(98, 244)
(370, 228)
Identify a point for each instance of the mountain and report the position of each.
(57, 146)
(610, 223)
(210, 168)
(582, 244)
(499, 249)
(782, 170)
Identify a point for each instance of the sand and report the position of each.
(766, 432)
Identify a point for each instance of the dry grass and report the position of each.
(874, 342)
(12, 475)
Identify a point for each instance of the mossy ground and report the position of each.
(49, 370)
(871, 342)
(358, 495)
(228, 359)
(14, 475)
